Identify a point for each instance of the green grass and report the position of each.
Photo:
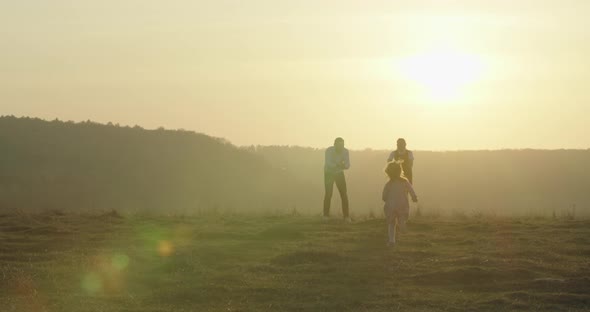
(57, 262)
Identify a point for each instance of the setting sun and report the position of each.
(312, 155)
(442, 75)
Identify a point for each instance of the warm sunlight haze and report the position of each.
(294, 155)
(303, 72)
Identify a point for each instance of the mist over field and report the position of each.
(502, 182)
(181, 156)
(55, 165)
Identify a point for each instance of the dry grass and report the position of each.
(65, 262)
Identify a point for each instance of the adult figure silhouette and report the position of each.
(337, 160)
(405, 157)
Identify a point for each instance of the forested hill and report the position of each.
(82, 166)
(86, 166)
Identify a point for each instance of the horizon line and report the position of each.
(160, 128)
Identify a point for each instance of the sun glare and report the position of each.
(442, 75)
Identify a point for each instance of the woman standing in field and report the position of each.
(404, 157)
(395, 196)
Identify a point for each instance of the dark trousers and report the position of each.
(340, 180)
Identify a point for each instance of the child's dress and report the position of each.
(395, 196)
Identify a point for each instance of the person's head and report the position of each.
(401, 144)
(339, 144)
(393, 170)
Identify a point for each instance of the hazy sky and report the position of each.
(461, 74)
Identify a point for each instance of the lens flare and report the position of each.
(165, 248)
(120, 262)
(92, 283)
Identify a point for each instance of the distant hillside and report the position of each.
(84, 166)
(81, 166)
(506, 182)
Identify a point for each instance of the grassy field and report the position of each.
(65, 262)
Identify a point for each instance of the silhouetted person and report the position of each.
(395, 196)
(337, 160)
(404, 157)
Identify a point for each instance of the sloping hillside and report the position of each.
(87, 166)
(81, 166)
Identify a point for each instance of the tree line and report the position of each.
(89, 166)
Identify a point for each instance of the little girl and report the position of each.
(395, 196)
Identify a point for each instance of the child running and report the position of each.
(395, 196)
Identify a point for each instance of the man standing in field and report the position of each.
(337, 160)
(405, 157)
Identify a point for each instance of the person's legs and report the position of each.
(341, 185)
(329, 187)
(401, 224)
(391, 231)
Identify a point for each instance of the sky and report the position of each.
(445, 75)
